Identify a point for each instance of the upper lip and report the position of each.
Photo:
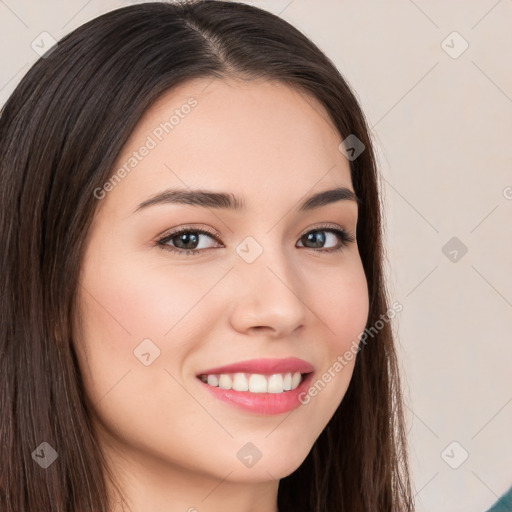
(263, 366)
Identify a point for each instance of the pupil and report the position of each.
(186, 237)
(317, 234)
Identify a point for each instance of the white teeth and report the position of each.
(295, 380)
(287, 382)
(213, 380)
(275, 383)
(255, 382)
(240, 382)
(225, 382)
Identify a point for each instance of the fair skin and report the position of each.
(171, 444)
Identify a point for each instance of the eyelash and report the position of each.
(345, 237)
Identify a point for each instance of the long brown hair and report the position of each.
(60, 133)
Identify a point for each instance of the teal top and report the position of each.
(504, 504)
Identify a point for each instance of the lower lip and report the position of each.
(261, 403)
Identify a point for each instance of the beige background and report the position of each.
(443, 129)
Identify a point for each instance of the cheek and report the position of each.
(124, 302)
(344, 306)
(122, 305)
(343, 312)
(130, 299)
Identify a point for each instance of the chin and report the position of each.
(275, 466)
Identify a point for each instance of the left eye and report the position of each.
(188, 240)
(317, 236)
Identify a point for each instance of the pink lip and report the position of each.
(263, 367)
(262, 403)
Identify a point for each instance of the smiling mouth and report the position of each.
(255, 382)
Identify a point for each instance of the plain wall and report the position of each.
(442, 124)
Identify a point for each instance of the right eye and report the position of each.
(183, 238)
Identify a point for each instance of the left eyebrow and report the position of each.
(224, 200)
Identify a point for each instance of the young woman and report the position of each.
(194, 315)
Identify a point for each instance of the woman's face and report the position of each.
(258, 284)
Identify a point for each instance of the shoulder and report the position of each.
(504, 504)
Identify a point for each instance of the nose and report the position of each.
(268, 296)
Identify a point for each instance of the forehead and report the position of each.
(258, 138)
